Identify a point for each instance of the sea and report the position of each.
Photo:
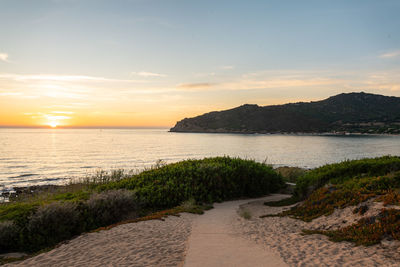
(55, 156)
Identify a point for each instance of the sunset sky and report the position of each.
(151, 63)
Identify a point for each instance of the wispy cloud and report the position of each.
(148, 74)
(62, 112)
(227, 67)
(205, 74)
(61, 78)
(391, 54)
(384, 80)
(4, 57)
(74, 91)
(195, 85)
(266, 80)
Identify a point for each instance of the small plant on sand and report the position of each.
(244, 213)
(361, 210)
(367, 231)
(283, 202)
(391, 198)
(191, 206)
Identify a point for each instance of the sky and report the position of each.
(141, 63)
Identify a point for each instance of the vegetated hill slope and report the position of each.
(352, 112)
(369, 187)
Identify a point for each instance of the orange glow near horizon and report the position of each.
(59, 101)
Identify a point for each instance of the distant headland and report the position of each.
(345, 113)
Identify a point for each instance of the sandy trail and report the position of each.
(214, 242)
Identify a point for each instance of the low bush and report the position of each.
(340, 172)
(110, 207)
(9, 233)
(17, 210)
(51, 224)
(42, 226)
(207, 180)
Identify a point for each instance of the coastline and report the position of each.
(288, 133)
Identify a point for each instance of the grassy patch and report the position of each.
(244, 213)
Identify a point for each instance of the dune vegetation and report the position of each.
(37, 221)
(346, 184)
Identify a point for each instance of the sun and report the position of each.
(53, 124)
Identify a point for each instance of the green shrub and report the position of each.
(51, 224)
(17, 210)
(340, 172)
(9, 234)
(109, 207)
(207, 180)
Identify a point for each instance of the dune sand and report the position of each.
(148, 243)
(282, 235)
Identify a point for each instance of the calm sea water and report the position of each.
(43, 156)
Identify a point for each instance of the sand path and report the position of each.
(214, 242)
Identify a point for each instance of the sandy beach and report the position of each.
(221, 237)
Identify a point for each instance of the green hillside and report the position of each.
(351, 113)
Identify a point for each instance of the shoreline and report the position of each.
(349, 134)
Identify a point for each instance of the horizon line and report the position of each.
(81, 127)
